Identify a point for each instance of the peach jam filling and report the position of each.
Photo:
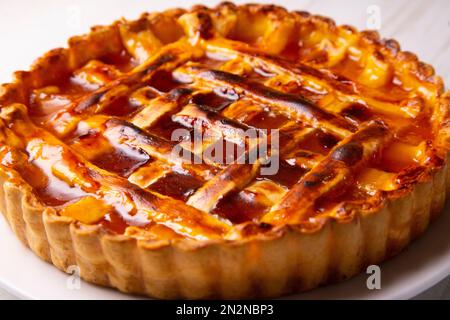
(97, 144)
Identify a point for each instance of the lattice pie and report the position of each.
(90, 178)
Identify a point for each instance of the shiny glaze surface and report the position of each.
(352, 128)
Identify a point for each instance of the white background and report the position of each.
(30, 28)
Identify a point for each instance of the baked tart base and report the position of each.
(286, 261)
(268, 258)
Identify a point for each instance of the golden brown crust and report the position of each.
(284, 259)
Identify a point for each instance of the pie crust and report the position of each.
(387, 111)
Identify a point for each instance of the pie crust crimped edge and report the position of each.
(287, 259)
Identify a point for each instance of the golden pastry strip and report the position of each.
(137, 206)
(201, 117)
(157, 108)
(346, 90)
(120, 134)
(332, 175)
(242, 110)
(235, 177)
(64, 121)
(96, 74)
(148, 174)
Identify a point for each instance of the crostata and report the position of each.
(109, 152)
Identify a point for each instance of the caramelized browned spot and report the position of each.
(295, 104)
(287, 174)
(319, 142)
(240, 207)
(163, 81)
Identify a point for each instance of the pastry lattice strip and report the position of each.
(294, 106)
(350, 92)
(333, 174)
(114, 190)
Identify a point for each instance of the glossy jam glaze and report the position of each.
(351, 126)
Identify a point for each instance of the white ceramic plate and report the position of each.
(419, 267)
